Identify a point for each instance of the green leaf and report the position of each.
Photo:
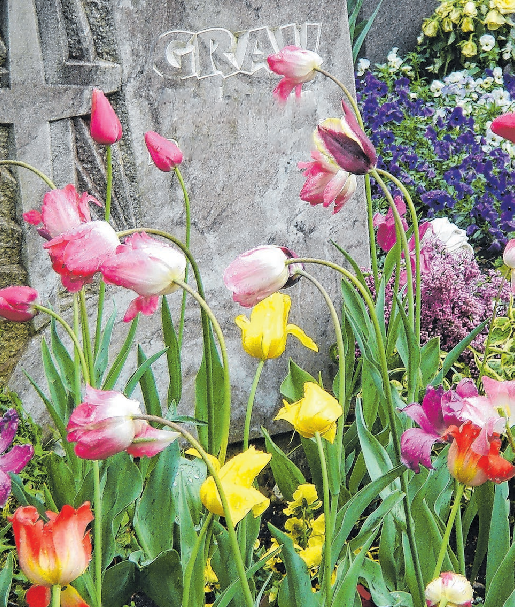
(357, 44)
(499, 537)
(287, 475)
(484, 495)
(161, 580)
(5, 580)
(23, 497)
(369, 392)
(148, 387)
(408, 349)
(357, 270)
(60, 479)
(119, 584)
(119, 362)
(62, 357)
(155, 510)
(134, 379)
(173, 354)
(299, 580)
(58, 393)
(292, 386)
(102, 357)
(501, 586)
(359, 319)
(224, 566)
(429, 359)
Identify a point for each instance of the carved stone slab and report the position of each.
(194, 71)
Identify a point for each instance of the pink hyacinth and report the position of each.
(297, 66)
(62, 210)
(16, 458)
(77, 254)
(326, 184)
(165, 153)
(260, 272)
(105, 127)
(17, 303)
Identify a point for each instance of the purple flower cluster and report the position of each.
(436, 152)
(456, 297)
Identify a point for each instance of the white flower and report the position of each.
(454, 239)
(363, 65)
(487, 42)
(497, 72)
(436, 88)
(394, 61)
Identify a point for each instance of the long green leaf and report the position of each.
(5, 580)
(58, 393)
(501, 586)
(352, 262)
(135, 378)
(173, 355)
(287, 476)
(499, 537)
(147, 383)
(356, 47)
(119, 362)
(162, 579)
(102, 357)
(62, 357)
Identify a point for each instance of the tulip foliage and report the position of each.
(403, 467)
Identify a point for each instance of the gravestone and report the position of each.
(196, 72)
(397, 24)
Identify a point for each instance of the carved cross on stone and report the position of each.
(35, 104)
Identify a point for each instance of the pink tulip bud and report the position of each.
(105, 127)
(16, 303)
(504, 126)
(165, 153)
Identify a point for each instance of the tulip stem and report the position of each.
(223, 499)
(18, 163)
(187, 210)
(226, 407)
(188, 572)
(460, 549)
(71, 333)
(390, 407)
(55, 599)
(97, 531)
(76, 360)
(86, 338)
(326, 594)
(109, 184)
(447, 535)
(371, 232)
(250, 405)
(347, 93)
(205, 325)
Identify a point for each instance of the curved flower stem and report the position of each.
(18, 163)
(347, 93)
(226, 407)
(405, 246)
(225, 505)
(371, 232)
(76, 360)
(341, 361)
(250, 405)
(460, 549)
(446, 536)
(86, 338)
(389, 401)
(55, 599)
(205, 324)
(416, 234)
(188, 572)
(494, 316)
(326, 593)
(71, 333)
(187, 238)
(97, 531)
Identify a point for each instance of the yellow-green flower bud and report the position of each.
(430, 28)
(469, 49)
(447, 25)
(467, 25)
(470, 10)
(494, 20)
(455, 15)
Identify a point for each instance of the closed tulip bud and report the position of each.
(447, 25)
(455, 15)
(504, 126)
(430, 28)
(105, 127)
(297, 66)
(470, 9)
(165, 153)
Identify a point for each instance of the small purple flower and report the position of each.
(14, 460)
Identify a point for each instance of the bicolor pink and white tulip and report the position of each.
(297, 66)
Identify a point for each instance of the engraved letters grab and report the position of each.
(219, 52)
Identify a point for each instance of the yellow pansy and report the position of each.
(304, 496)
(505, 6)
(316, 412)
(237, 476)
(312, 555)
(264, 336)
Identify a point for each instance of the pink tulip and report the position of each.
(105, 127)
(344, 144)
(509, 259)
(77, 254)
(449, 589)
(146, 266)
(297, 66)
(504, 126)
(260, 272)
(16, 303)
(62, 210)
(16, 458)
(326, 184)
(103, 425)
(149, 441)
(165, 154)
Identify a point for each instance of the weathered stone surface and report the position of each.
(397, 24)
(195, 72)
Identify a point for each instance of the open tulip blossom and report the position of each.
(146, 266)
(449, 589)
(17, 303)
(264, 336)
(297, 66)
(16, 458)
(260, 272)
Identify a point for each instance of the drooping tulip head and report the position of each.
(297, 66)
(17, 303)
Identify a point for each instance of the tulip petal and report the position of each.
(304, 339)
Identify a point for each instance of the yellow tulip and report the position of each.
(264, 336)
(237, 476)
(304, 496)
(316, 412)
(430, 28)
